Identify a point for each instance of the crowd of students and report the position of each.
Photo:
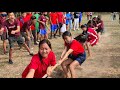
(41, 26)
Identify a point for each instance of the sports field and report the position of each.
(105, 62)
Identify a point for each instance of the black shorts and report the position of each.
(80, 58)
(4, 36)
(60, 25)
(38, 31)
(18, 39)
(99, 30)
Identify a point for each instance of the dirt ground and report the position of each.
(104, 64)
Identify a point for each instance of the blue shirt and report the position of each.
(71, 16)
(80, 15)
(68, 17)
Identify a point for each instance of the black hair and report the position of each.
(23, 12)
(66, 33)
(82, 38)
(33, 17)
(83, 26)
(41, 13)
(99, 19)
(90, 23)
(42, 42)
(94, 18)
(99, 16)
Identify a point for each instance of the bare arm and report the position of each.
(88, 48)
(99, 24)
(1, 30)
(66, 55)
(18, 29)
(63, 53)
(41, 22)
(57, 20)
(50, 21)
(28, 33)
(31, 73)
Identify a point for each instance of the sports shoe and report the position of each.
(10, 61)
(31, 54)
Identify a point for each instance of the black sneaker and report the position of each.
(31, 54)
(55, 36)
(10, 61)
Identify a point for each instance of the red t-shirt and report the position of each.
(92, 36)
(76, 47)
(32, 27)
(12, 26)
(28, 17)
(43, 19)
(53, 17)
(40, 68)
(60, 17)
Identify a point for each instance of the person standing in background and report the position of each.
(37, 15)
(67, 20)
(54, 23)
(63, 29)
(28, 16)
(22, 19)
(60, 22)
(42, 22)
(80, 19)
(70, 22)
(3, 35)
(46, 14)
(76, 21)
(89, 15)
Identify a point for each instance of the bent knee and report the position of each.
(63, 64)
(71, 66)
